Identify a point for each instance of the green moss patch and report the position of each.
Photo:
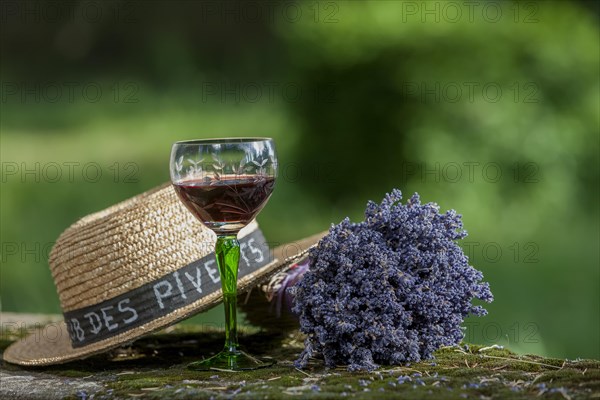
(155, 368)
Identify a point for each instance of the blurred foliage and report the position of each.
(360, 97)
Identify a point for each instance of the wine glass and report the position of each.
(225, 183)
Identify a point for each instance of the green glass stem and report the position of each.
(231, 358)
(227, 251)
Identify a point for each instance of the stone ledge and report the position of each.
(154, 368)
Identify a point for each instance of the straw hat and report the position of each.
(137, 267)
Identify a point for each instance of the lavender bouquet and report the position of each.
(388, 290)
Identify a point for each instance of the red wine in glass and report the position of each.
(225, 183)
(228, 203)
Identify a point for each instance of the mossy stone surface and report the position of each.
(155, 368)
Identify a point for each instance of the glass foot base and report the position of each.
(231, 361)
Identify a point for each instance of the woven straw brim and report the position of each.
(52, 345)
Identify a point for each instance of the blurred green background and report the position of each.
(489, 107)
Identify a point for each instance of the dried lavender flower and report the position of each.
(388, 290)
